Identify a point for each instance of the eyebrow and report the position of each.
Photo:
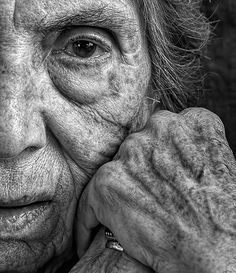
(100, 16)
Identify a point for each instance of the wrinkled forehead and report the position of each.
(43, 14)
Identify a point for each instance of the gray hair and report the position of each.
(176, 32)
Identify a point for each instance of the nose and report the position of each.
(21, 125)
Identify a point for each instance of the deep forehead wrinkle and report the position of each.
(114, 15)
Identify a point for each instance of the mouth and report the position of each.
(23, 219)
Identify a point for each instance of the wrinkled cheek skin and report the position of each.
(129, 86)
(91, 113)
(88, 135)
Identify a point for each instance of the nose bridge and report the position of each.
(12, 112)
(17, 103)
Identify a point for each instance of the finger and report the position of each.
(85, 222)
(95, 250)
(205, 123)
(112, 202)
(189, 152)
(92, 209)
(101, 259)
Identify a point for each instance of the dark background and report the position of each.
(220, 65)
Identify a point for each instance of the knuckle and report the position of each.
(203, 117)
(108, 181)
(133, 149)
(101, 180)
(175, 125)
(162, 115)
(198, 113)
(131, 143)
(105, 174)
(165, 121)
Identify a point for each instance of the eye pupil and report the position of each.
(84, 49)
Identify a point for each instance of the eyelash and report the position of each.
(93, 38)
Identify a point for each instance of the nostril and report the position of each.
(21, 136)
(31, 149)
(11, 146)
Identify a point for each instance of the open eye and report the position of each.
(84, 49)
(83, 43)
(81, 48)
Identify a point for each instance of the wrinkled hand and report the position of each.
(99, 259)
(169, 196)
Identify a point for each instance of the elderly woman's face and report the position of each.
(74, 77)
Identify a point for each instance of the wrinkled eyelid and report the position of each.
(92, 40)
(101, 37)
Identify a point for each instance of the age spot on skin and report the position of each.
(114, 83)
(130, 81)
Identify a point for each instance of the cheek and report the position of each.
(90, 113)
(127, 80)
(128, 87)
(82, 85)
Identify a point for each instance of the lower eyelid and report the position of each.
(75, 63)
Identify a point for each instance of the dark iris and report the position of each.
(84, 49)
